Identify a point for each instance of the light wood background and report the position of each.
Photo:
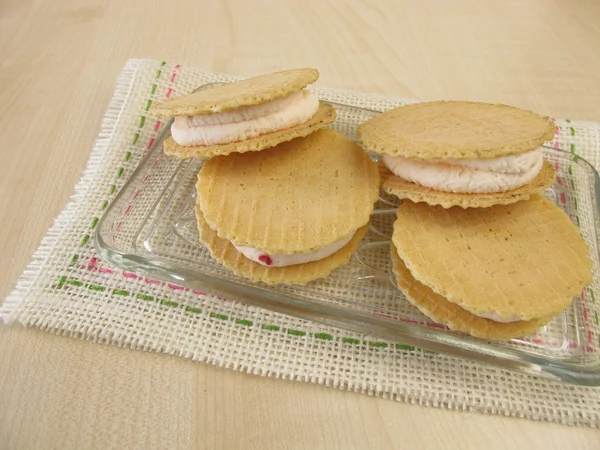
(58, 67)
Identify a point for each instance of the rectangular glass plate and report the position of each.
(150, 229)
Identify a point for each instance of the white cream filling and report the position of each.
(501, 164)
(282, 260)
(499, 174)
(496, 318)
(245, 122)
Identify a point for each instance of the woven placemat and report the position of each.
(68, 290)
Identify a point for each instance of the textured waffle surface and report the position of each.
(452, 129)
(251, 91)
(453, 316)
(521, 261)
(294, 198)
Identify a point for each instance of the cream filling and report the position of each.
(499, 174)
(496, 318)
(245, 122)
(282, 260)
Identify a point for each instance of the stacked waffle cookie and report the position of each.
(475, 246)
(280, 199)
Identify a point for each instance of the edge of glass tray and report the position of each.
(454, 345)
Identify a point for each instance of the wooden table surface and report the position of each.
(58, 68)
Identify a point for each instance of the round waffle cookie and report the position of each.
(251, 91)
(455, 129)
(324, 116)
(516, 262)
(224, 251)
(453, 316)
(414, 192)
(297, 197)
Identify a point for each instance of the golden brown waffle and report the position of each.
(251, 91)
(404, 189)
(323, 117)
(223, 251)
(453, 316)
(516, 262)
(294, 198)
(452, 129)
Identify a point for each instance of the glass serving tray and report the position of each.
(150, 229)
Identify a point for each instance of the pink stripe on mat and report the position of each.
(148, 146)
(557, 146)
(563, 200)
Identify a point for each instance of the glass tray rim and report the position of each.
(460, 346)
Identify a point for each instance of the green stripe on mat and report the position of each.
(324, 336)
(410, 348)
(169, 303)
(218, 316)
(378, 344)
(63, 280)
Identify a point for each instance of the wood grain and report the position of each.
(60, 60)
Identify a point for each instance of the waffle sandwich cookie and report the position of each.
(454, 153)
(249, 115)
(495, 273)
(289, 214)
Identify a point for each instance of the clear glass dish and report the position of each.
(150, 229)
